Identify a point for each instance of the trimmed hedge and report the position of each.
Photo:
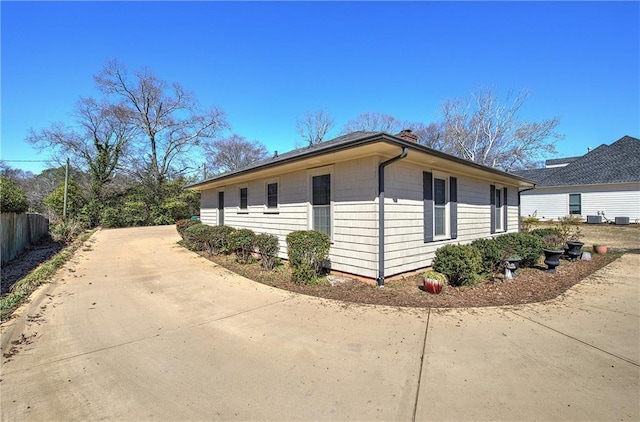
(307, 248)
(462, 264)
(241, 242)
(182, 225)
(267, 246)
(198, 237)
(492, 255)
(525, 245)
(220, 239)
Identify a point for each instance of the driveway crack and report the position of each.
(424, 348)
(578, 340)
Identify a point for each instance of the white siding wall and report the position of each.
(613, 200)
(354, 187)
(405, 249)
(209, 207)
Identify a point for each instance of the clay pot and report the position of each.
(602, 249)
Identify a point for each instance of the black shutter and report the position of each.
(427, 196)
(492, 201)
(453, 206)
(506, 208)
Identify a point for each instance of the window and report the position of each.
(439, 207)
(272, 195)
(498, 200)
(575, 204)
(498, 210)
(244, 194)
(321, 203)
(440, 197)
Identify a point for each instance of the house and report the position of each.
(605, 181)
(386, 202)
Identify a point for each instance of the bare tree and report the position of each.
(487, 130)
(95, 144)
(234, 152)
(313, 126)
(374, 122)
(167, 116)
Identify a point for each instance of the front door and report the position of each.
(220, 208)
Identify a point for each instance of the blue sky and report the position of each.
(267, 63)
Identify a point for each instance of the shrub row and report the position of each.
(464, 264)
(307, 250)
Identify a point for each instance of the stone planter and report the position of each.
(552, 259)
(574, 251)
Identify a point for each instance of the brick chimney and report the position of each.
(407, 135)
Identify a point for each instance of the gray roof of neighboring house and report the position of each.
(343, 142)
(556, 161)
(615, 163)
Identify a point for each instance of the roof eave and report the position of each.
(375, 137)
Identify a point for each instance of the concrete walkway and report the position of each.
(137, 328)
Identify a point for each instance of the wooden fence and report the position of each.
(19, 231)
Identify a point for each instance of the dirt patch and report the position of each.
(530, 285)
(26, 262)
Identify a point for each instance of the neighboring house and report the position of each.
(605, 180)
(386, 202)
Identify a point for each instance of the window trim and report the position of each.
(321, 171)
(429, 206)
(499, 212)
(447, 215)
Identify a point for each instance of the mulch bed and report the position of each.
(530, 285)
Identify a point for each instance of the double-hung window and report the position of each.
(244, 196)
(439, 207)
(321, 203)
(440, 197)
(498, 210)
(498, 201)
(575, 204)
(272, 195)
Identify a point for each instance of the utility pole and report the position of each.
(66, 191)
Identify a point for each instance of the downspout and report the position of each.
(519, 204)
(381, 167)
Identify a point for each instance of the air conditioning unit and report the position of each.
(622, 221)
(594, 219)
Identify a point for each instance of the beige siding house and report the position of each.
(386, 202)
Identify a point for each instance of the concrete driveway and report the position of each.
(137, 328)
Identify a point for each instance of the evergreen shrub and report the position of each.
(491, 253)
(220, 238)
(462, 264)
(267, 246)
(241, 242)
(308, 247)
(524, 245)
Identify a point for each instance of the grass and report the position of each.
(23, 288)
(618, 237)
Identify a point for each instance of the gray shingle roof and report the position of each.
(343, 142)
(615, 163)
(565, 160)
